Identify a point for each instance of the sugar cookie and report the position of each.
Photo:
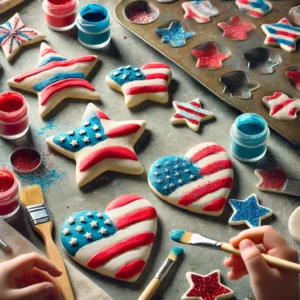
(294, 225)
(254, 8)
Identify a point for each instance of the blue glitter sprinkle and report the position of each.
(248, 212)
(174, 35)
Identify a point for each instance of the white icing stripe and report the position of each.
(198, 148)
(145, 83)
(156, 71)
(211, 159)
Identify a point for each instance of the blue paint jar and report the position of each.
(249, 135)
(93, 23)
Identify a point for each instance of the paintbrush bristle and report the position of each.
(181, 236)
(175, 253)
(32, 195)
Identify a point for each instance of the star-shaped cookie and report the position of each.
(14, 35)
(190, 114)
(8, 4)
(282, 34)
(248, 212)
(100, 145)
(174, 35)
(254, 8)
(57, 78)
(206, 287)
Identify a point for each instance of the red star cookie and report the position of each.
(294, 78)
(236, 28)
(209, 57)
(206, 287)
(271, 180)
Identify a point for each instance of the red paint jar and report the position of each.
(60, 15)
(10, 188)
(13, 115)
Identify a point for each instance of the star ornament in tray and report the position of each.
(14, 35)
(57, 78)
(254, 8)
(100, 145)
(206, 287)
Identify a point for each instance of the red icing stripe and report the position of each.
(216, 167)
(54, 64)
(280, 106)
(216, 205)
(122, 201)
(105, 153)
(46, 51)
(129, 270)
(209, 150)
(255, 13)
(271, 40)
(155, 66)
(292, 111)
(201, 191)
(244, 1)
(193, 112)
(274, 96)
(196, 104)
(287, 34)
(136, 216)
(146, 89)
(64, 84)
(123, 130)
(179, 116)
(126, 245)
(102, 115)
(157, 76)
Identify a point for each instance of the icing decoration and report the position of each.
(174, 35)
(190, 114)
(120, 249)
(293, 75)
(294, 225)
(14, 35)
(200, 182)
(112, 151)
(254, 8)
(236, 28)
(57, 79)
(294, 15)
(150, 82)
(200, 11)
(209, 57)
(281, 106)
(206, 287)
(8, 4)
(271, 180)
(281, 34)
(248, 212)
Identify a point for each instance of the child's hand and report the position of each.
(268, 283)
(27, 277)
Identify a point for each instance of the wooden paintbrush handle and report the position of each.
(150, 289)
(271, 260)
(45, 231)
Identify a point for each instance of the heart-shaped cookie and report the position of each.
(200, 182)
(115, 243)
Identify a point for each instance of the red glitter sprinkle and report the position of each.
(143, 17)
(271, 179)
(25, 160)
(125, 37)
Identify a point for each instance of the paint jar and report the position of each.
(93, 24)
(13, 115)
(249, 135)
(60, 15)
(10, 188)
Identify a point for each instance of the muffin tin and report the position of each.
(253, 69)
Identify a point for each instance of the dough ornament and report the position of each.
(206, 287)
(150, 82)
(115, 243)
(100, 145)
(281, 106)
(200, 11)
(190, 114)
(294, 15)
(254, 8)
(14, 35)
(294, 225)
(57, 78)
(8, 4)
(200, 181)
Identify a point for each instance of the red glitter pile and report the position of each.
(143, 17)
(25, 160)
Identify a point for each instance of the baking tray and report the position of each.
(210, 32)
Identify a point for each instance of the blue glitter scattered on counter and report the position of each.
(51, 124)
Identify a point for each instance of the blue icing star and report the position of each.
(174, 35)
(69, 232)
(126, 74)
(248, 211)
(169, 173)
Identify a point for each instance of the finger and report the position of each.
(237, 273)
(233, 261)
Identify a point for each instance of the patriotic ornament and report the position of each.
(115, 243)
(254, 8)
(100, 145)
(8, 4)
(282, 34)
(190, 114)
(206, 287)
(281, 106)
(57, 78)
(14, 35)
(200, 181)
(150, 82)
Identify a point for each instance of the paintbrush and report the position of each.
(161, 274)
(33, 200)
(195, 239)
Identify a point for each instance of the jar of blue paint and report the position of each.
(249, 135)
(93, 23)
